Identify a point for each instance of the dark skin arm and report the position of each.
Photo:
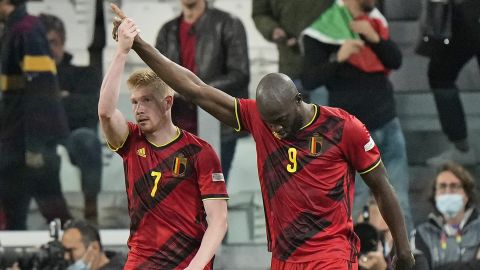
(214, 101)
(377, 181)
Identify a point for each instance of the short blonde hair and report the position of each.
(148, 78)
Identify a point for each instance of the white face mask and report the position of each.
(449, 204)
(78, 265)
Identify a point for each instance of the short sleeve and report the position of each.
(245, 111)
(209, 175)
(122, 150)
(359, 147)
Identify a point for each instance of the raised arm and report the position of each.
(112, 121)
(212, 100)
(387, 201)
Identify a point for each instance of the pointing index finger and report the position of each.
(117, 11)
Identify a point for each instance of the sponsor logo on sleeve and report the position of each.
(369, 145)
(218, 177)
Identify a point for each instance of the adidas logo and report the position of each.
(141, 152)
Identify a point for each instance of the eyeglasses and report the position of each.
(452, 186)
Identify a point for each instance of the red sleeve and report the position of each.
(246, 113)
(209, 175)
(122, 150)
(358, 146)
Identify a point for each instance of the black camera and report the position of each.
(369, 236)
(49, 256)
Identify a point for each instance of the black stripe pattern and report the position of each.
(141, 205)
(275, 173)
(304, 227)
(171, 254)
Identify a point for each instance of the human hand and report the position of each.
(279, 35)
(120, 15)
(127, 31)
(373, 261)
(403, 262)
(364, 28)
(90, 257)
(348, 48)
(34, 160)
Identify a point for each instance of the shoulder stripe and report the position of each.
(33, 63)
(239, 126)
(371, 167)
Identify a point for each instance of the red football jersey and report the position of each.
(165, 187)
(308, 182)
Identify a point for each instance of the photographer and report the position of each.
(83, 247)
(376, 240)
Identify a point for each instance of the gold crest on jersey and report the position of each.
(315, 144)
(179, 166)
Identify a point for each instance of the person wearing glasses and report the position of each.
(450, 239)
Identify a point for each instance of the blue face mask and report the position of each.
(449, 204)
(78, 265)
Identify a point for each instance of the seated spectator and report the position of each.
(84, 248)
(450, 239)
(79, 90)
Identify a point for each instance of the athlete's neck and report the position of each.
(163, 135)
(308, 113)
(193, 12)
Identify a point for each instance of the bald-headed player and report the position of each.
(175, 187)
(307, 157)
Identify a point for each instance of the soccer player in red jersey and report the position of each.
(175, 186)
(307, 156)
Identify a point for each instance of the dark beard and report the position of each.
(297, 125)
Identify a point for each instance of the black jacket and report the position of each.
(221, 51)
(83, 85)
(31, 116)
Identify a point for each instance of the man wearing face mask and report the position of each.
(84, 249)
(450, 238)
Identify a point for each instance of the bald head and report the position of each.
(274, 91)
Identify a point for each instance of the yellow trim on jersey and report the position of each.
(238, 118)
(374, 166)
(313, 118)
(224, 198)
(39, 64)
(167, 143)
(118, 148)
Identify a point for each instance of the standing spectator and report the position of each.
(282, 21)
(212, 44)
(84, 248)
(307, 157)
(80, 101)
(443, 70)
(175, 187)
(348, 50)
(450, 239)
(32, 120)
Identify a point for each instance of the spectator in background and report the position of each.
(443, 70)
(450, 239)
(212, 44)
(32, 120)
(79, 90)
(348, 50)
(281, 22)
(381, 257)
(84, 248)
